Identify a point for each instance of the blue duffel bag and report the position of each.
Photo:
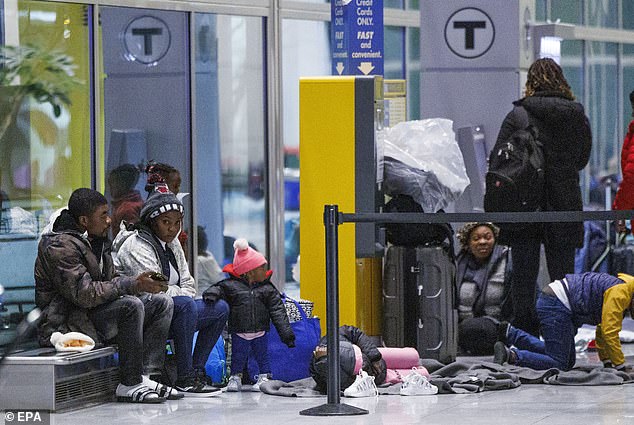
(291, 364)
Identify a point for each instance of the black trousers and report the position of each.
(560, 258)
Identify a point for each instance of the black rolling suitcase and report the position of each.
(437, 328)
(419, 301)
(399, 293)
(622, 257)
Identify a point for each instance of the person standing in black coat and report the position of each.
(564, 131)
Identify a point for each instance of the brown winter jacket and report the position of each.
(69, 281)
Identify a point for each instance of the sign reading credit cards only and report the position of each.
(357, 37)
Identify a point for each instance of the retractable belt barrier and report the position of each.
(333, 218)
(494, 217)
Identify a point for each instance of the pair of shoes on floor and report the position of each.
(163, 390)
(194, 387)
(363, 386)
(262, 378)
(235, 383)
(502, 354)
(139, 393)
(417, 384)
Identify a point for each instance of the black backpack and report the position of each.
(515, 180)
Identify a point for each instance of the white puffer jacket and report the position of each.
(133, 255)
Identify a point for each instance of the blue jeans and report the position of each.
(558, 329)
(240, 349)
(190, 316)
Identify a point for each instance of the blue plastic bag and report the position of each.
(291, 364)
(216, 366)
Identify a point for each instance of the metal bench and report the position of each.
(43, 379)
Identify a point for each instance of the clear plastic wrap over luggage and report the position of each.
(424, 147)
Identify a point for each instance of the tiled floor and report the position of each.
(528, 404)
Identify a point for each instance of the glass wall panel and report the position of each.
(628, 81)
(146, 104)
(394, 52)
(628, 15)
(568, 11)
(44, 156)
(572, 65)
(230, 107)
(395, 4)
(413, 73)
(297, 61)
(602, 86)
(541, 10)
(602, 13)
(627, 62)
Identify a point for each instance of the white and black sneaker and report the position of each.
(363, 386)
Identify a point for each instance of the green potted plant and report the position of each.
(32, 71)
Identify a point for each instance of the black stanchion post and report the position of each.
(331, 223)
(334, 407)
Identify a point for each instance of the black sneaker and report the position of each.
(502, 354)
(193, 387)
(202, 376)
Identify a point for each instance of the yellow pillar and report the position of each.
(338, 166)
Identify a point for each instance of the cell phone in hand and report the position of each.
(158, 276)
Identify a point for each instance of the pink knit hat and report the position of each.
(246, 258)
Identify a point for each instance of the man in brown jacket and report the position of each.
(77, 289)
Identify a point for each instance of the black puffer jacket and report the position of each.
(69, 281)
(252, 307)
(349, 336)
(564, 131)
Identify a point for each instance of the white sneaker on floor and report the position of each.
(261, 379)
(235, 384)
(363, 386)
(417, 384)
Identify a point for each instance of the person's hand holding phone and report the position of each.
(151, 282)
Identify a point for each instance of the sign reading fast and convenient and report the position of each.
(357, 37)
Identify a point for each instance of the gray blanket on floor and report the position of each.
(467, 376)
(474, 376)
